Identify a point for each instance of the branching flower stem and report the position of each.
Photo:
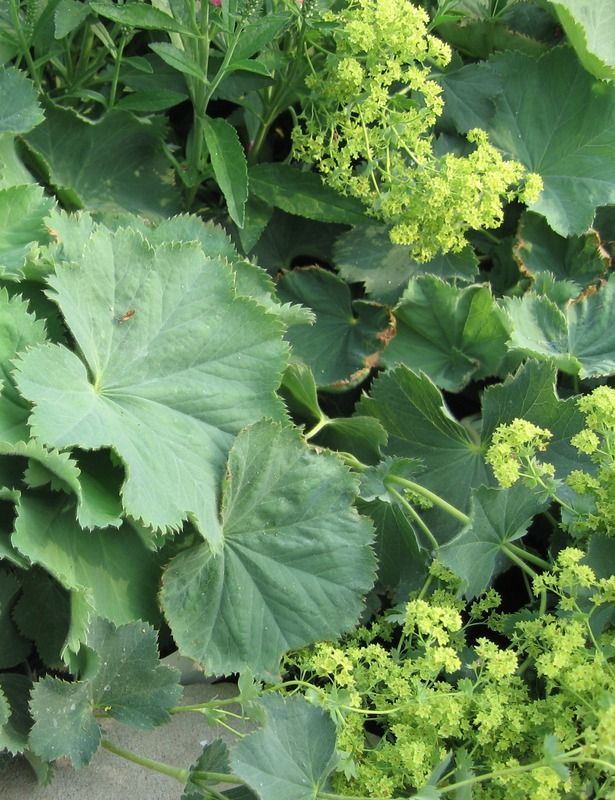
(434, 498)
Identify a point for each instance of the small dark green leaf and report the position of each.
(131, 684)
(177, 59)
(257, 34)
(68, 16)
(13, 647)
(14, 732)
(229, 165)
(303, 194)
(497, 517)
(214, 758)
(40, 593)
(342, 345)
(402, 565)
(363, 437)
(293, 756)
(64, 724)
(299, 390)
(419, 426)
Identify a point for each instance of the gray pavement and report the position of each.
(109, 777)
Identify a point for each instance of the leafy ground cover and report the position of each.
(307, 350)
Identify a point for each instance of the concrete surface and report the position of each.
(109, 777)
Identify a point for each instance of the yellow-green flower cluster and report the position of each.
(368, 125)
(597, 440)
(513, 449)
(399, 710)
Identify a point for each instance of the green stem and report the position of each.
(25, 47)
(540, 562)
(415, 517)
(180, 775)
(322, 423)
(518, 561)
(219, 777)
(116, 70)
(435, 499)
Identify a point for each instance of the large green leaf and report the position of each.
(452, 334)
(590, 28)
(160, 381)
(497, 517)
(22, 213)
(114, 567)
(293, 756)
(117, 163)
(568, 137)
(228, 161)
(366, 254)
(344, 339)
(19, 108)
(579, 340)
(304, 194)
(129, 684)
(539, 249)
(295, 563)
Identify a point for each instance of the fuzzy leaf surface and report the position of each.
(115, 567)
(19, 108)
(22, 211)
(293, 755)
(295, 563)
(452, 334)
(19, 330)
(64, 724)
(115, 164)
(590, 28)
(580, 340)
(129, 684)
(568, 138)
(161, 381)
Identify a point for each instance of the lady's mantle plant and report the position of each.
(352, 448)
